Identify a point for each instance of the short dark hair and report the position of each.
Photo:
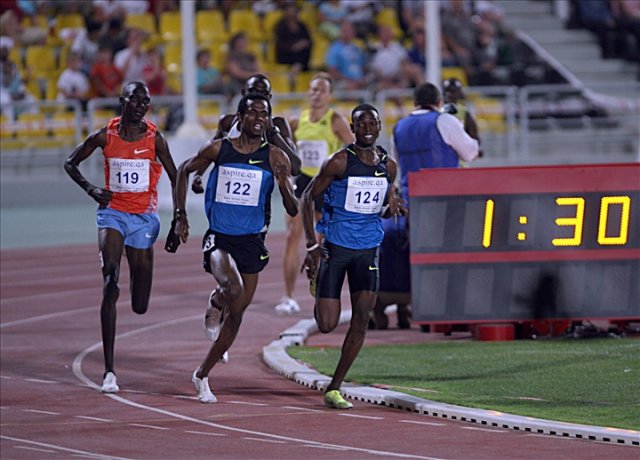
(426, 95)
(243, 104)
(362, 108)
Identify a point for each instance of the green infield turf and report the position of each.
(588, 381)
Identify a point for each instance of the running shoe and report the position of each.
(225, 357)
(202, 387)
(334, 400)
(212, 319)
(110, 384)
(287, 306)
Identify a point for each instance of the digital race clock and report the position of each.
(519, 243)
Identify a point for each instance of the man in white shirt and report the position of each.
(391, 63)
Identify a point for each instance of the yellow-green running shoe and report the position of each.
(334, 400)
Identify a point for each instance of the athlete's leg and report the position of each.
(361, 305)
(111, 244)
(291, 261)
(141, 276)
(235, 293)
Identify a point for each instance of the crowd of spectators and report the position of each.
(363, 44)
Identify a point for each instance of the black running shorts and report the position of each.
(248, 251)
(361, 266)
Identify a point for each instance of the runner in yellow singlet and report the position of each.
(318, 132)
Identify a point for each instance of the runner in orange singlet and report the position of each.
(127, 218)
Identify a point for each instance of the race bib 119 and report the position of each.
(128, 175)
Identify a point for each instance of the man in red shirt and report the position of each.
(127, 217)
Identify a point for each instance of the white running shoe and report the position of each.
(225, 357)
(287, 306)
(212, 320)
(110, 384)
(202, 387)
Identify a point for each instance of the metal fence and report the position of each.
(550, 124)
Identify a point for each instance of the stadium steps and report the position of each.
(576, 50)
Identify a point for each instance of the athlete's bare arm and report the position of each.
(282, 170)
(207, 154)
(97, 139)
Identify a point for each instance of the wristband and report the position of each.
(313, 248)
(179, 212)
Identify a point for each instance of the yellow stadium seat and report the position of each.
(209, 116)
(7, 136)
(302, 81)
(455, 72)
(218, 56)
(174, 82)
(319, 53)
(309, 16)
(40, 60)
(389, 17)
(172, 58)
(33, 129)
(63, 126)
(280, 82)
(489, 114)
(210, 27)
(170, 26)
(66, 21)
(100, 118)
(15, 55)
(142, 21)
(245, 20)
(269, 23)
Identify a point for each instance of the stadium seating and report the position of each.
(40, 60)
(210, 27)
(389, 17)
(170, 26)
(245, 20)
(145, 22)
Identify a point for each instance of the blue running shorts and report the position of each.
(140, 231)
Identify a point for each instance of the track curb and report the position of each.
(276, 357)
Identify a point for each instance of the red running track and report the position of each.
(51, 366)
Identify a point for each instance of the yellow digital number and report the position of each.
(488, 224)
(605, 203)
(576, 222)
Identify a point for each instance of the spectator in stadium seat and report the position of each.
(427, 138)
(73, 84)
(356, 183)
(132, 60)
(154, 74)
(596, 16)
(241, 63)
(361, 13)
(208, 78)
(391, 63)
(346, 62)
(293, 41)
(331, 13)
(106, 78)
(115, 37)
(627, 15)
(12, 88)
(127, 218)
(86, 44)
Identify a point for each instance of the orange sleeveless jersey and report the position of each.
(132, 170)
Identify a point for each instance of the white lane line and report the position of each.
(488, 430)
(64, 449)
(41, 381)
(36, 411)
(326, 447)
(205, 433)
(48, 451)
(273, 441)
(142, 425)
(20, 322)
(369, 417)
(304, 409)
(246, 403)
(95, 419)
(415, 422)
(77, 371)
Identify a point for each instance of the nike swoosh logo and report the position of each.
(137, 152)
(379, 173)
(148, 236)
(264, 256)
(372, 268)
(255, 162)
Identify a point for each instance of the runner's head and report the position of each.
(134, 101)
(259, 84)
